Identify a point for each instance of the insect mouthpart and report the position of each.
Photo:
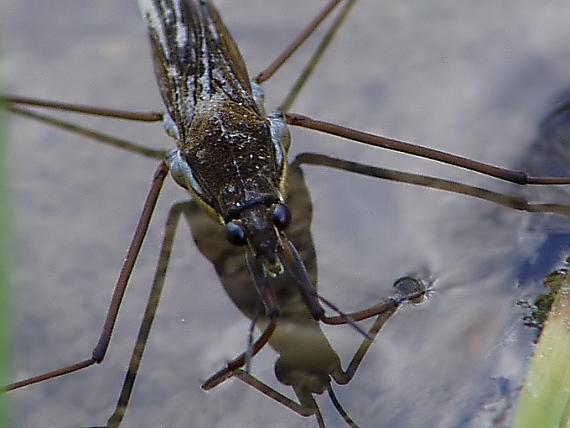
(273, 267)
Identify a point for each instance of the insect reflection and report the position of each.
(306, 360)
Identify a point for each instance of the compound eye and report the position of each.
(235, 233)
(281, 216)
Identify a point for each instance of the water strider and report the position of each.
(293, 220)
(230, 156)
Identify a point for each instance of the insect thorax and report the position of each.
(234, 158)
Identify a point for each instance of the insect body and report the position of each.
(230, 155)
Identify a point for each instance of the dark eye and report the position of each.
(281, 216)
(235, 233)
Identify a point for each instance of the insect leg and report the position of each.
(11, 101)
(339, 408)
(91, 134)
(299, 40)
(343, 377)
(517, 177)
(315, 58)
(152, 303)
(509, 201)
(240, 360)
(120, 287)
(309, 409)
(272, 393)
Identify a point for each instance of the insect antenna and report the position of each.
(339, 408)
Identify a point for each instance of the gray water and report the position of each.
(470, 78)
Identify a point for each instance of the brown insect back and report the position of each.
(223, 137)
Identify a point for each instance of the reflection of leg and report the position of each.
(250, 334)
(310, 406)
(409, 289)
(149, 313)
(339, 408)
(273, 394)
(343, 377)
(518, 177)
(120, 287)
(509, 201)
(239, 361)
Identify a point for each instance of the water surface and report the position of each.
(473, 79)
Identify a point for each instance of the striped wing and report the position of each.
(196, 61)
